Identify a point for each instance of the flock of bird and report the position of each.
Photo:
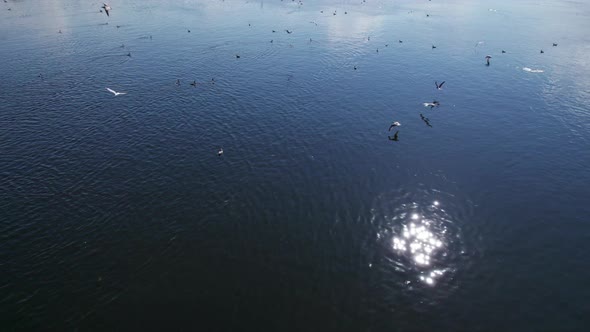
(107, 9)
(395, 124)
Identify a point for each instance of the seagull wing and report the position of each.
(112, 91)
(436, 83)
(440, 86)
(121, 93)
(390, 127)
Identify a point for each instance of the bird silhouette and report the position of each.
(395, 136)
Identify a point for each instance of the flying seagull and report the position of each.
(289, 32)
(106, 8)
(488, 60)
(439, 86)
(554, 44)
(220, 152)
(395, 124)
(431, 105)
(115, 92)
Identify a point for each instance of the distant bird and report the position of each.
(177, 81)
(426, 120)
(400, 41)
(433, 47)
(431, 105)
(59, 31)
(289, 32)
(439, 86)
(345, 13)
(271, 40)
(115, 92)
(188, 31)
(377, 50)
(129, 54)
(212, 81)
(354, 67)
(273, 31)
(395, 124)
(395, 136)
(554, 44)
(220, 152)
(488, 60)
(542, 52)
(106, 8)
(194, 83)
(386, 45)
(503, 51)
(237, 56)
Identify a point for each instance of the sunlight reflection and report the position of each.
(421, 242)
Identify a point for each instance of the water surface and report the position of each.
(117, 213)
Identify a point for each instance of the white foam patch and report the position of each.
(530, 70)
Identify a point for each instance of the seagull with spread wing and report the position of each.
(106, 8)
(439, 86)
(115, 92)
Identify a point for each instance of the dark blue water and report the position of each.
(117, 214)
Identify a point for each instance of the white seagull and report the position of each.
(220, 152)
(106, 8)
(115, 92)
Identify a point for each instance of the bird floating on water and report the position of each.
(542, 52)
(289, 32)
(439, 86)
(194, 83)
(433, 47)
(220, 152)
(503, 51)
(115, 92)
(237, 56)
(554, 44)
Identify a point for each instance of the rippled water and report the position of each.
(117, 213)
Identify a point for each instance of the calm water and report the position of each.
(117, 214)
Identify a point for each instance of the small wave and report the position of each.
(530, 70)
